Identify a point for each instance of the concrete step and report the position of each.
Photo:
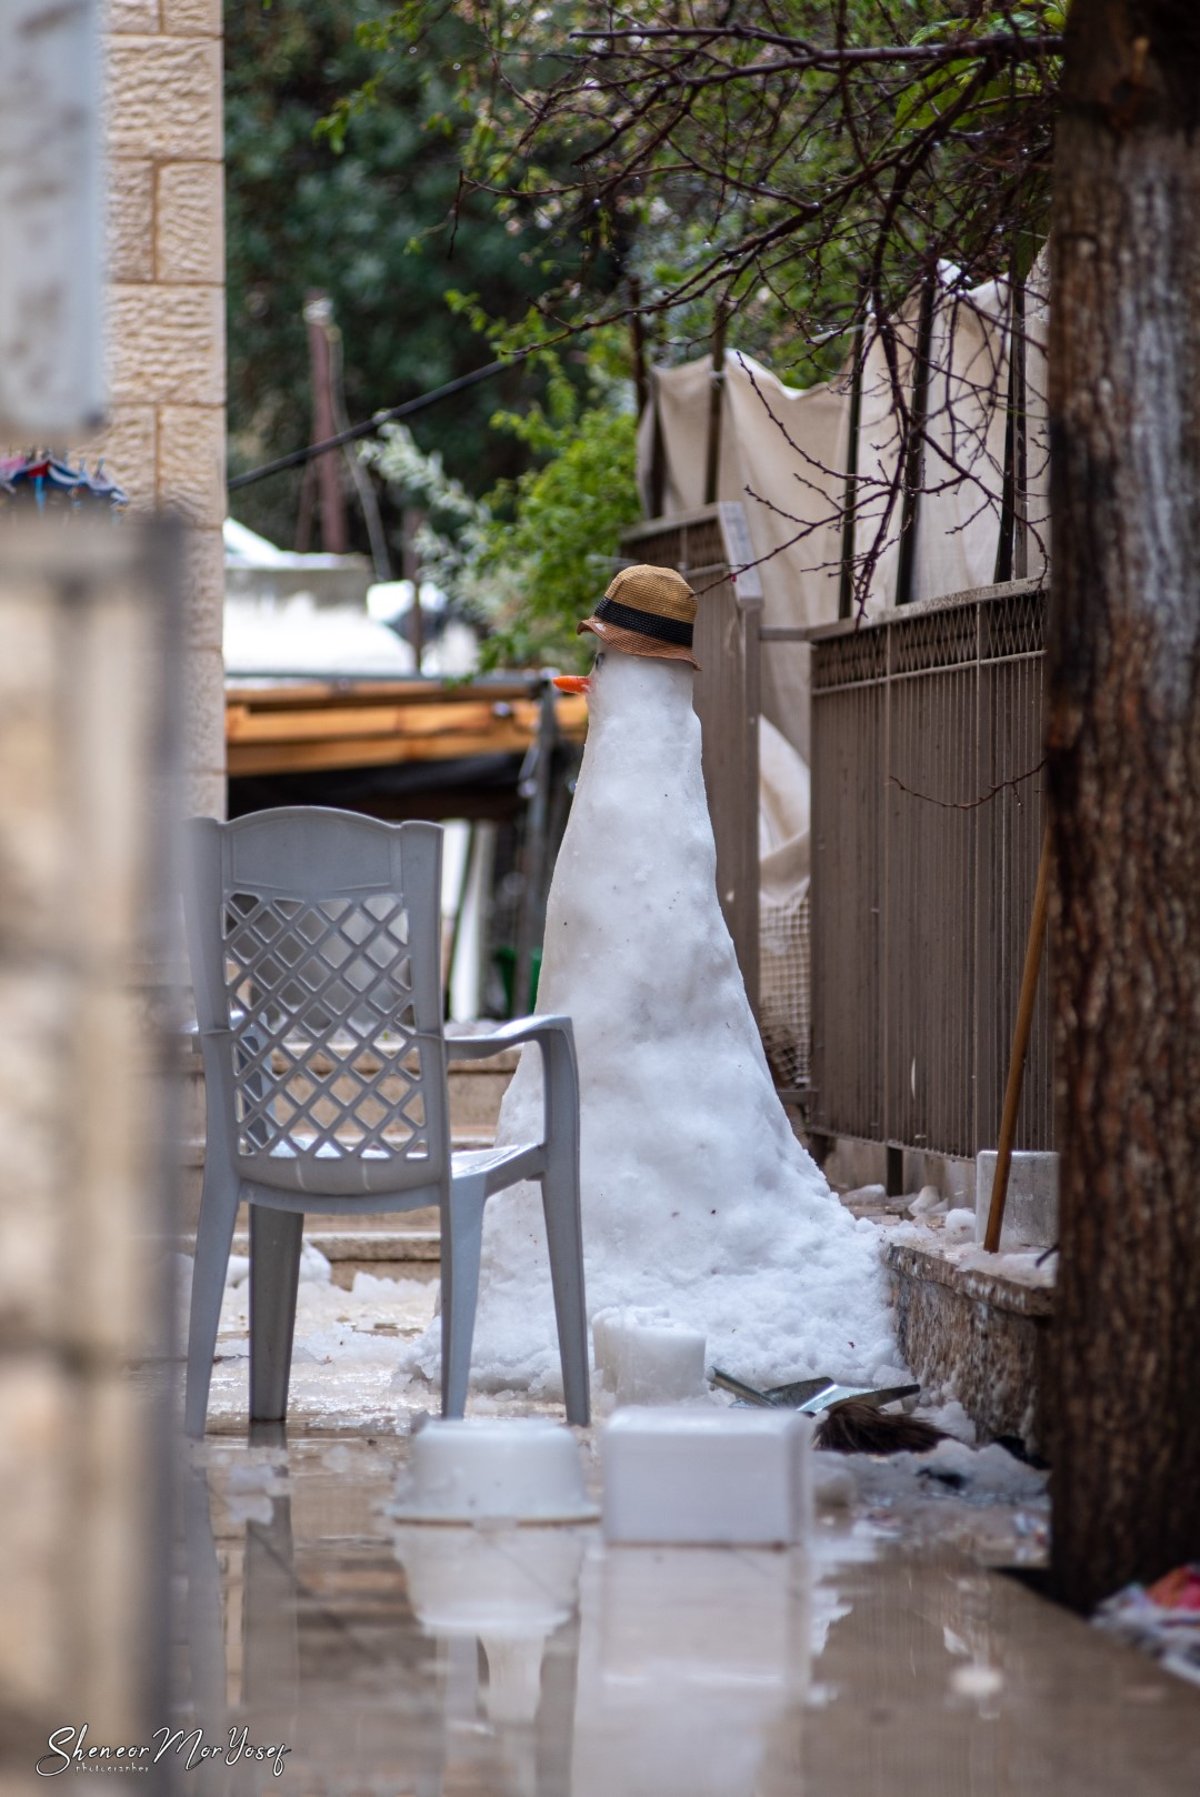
(406, 1246)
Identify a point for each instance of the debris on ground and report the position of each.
(857, 1426)
(1162, 1619)
(811, 1396)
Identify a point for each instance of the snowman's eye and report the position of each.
(598, 662)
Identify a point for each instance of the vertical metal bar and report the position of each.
(751, 688)
(984, 834)
(914, 453)
(885, 893)
(850, 490)
(535, 789)
(637, 333)
(1012, 555)
(1020, 436)
(716, 400)
(658, 453)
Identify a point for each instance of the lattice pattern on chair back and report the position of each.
(338, 1063)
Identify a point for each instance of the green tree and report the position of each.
(532, 557)
(371, 223)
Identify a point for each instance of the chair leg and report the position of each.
(564, 1238)
(275, 1243)
(218, 1212)
(462, 1244)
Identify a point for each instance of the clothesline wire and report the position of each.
(367, 429)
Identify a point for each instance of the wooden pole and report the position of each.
(318, 315)
(1016, 1065)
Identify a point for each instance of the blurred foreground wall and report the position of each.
(87, 758)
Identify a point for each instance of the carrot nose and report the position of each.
(572, 683)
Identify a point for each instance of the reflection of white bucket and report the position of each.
(514, 1687)
(523, 1469)
(499, 1583)
(509, 1588)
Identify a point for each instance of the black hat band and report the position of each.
(645, 623)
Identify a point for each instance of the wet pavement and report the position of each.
(890, 1658)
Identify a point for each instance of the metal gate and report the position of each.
(927, 827)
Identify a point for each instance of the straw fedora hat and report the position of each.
(646, 611)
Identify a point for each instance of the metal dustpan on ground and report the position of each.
(811, 1395)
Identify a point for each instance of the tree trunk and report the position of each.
(1124, 773)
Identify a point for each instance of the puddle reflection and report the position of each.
(690, 1661)
(534, 1662)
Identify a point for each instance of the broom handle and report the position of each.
(1016, 1065)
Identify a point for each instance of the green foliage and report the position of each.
(563, 537)
(532, 558)
(364, 212)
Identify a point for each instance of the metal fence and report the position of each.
(927, 825)
(703, 546)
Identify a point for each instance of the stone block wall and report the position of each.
(165, 442)
(84, 1448)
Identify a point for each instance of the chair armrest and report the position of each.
(509, 1035)
(555, 1037)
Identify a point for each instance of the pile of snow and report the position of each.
(987, 1475)
(697, 1198)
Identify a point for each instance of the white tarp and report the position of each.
(783, 456)
(784, 453)
(776, 442)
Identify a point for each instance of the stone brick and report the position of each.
(127, 446)
(189, 223)
(164, 98)
(131, 15)
(204, 590)
(985, 1337)
(192, 18)
(131, 220)
(191, 462)
(167, 345)
(203, 711)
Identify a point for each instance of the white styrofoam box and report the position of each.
(1031, 1206)
(713, 1477)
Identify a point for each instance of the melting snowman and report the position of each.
(698, 1201)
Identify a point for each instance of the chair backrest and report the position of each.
(315, 939)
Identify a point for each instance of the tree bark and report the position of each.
(1124, 780)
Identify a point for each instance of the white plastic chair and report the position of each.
(314, 944)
